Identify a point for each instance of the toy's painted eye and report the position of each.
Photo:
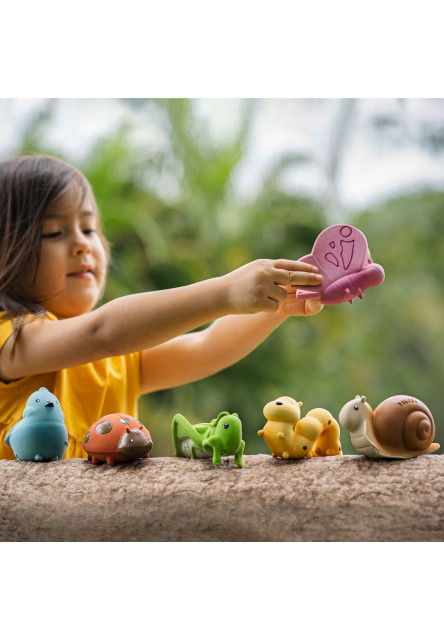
(226, 425)
(304, 447)
(329, 422)
(279, 402)
(37, 400)
(132, 440)
(356, 408)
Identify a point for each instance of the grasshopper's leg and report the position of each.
(213, 442)
(180, 428)
(193, 448)
(216, 456)
(238, 457)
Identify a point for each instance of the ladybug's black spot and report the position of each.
(124, 421)
(86, 438)
(104, 427)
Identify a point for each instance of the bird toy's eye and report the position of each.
(37, 400)
(356, 408)
(226, 425)
(304, 447)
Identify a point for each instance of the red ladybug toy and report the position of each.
(117, 438)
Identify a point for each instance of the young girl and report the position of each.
(53, 264)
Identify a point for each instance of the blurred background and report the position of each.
(192, 189)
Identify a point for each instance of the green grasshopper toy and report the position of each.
(221, 436)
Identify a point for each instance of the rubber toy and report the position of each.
(117, 437)
(41, 435)
(342, 256)
(220, 437)
(399, 427)
(287, 435)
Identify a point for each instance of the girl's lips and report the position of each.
(81, 274)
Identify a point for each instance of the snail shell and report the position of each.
(403, 423)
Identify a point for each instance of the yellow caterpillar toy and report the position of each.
(289, 436)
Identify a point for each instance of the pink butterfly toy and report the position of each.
(342, 256)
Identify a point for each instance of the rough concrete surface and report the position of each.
(341, 498)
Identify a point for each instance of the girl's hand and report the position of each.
(265, 285)
(293, 307)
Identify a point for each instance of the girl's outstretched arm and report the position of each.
(141, 321)
(198, 355)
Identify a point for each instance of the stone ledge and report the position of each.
(347, 498)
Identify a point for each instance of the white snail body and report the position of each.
(400, 427)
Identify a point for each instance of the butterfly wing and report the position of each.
(342, 257)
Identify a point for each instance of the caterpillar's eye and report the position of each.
(226, 425)
(356, 408)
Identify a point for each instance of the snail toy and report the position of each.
(117, 438)
(220, 437)
(41, 435)
(342, 256)
(400, 427)
(287, 435)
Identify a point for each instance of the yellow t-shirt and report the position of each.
(86, 393)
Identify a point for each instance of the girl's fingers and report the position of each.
(297, 278)
(278, 293)
(294, 265)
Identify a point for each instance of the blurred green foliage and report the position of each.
(389, 343)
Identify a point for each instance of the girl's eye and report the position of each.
(54, 234)
(88, 232)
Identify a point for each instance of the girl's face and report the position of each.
(71, 273)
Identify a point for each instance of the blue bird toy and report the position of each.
(41, 435)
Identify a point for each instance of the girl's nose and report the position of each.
(80, 245)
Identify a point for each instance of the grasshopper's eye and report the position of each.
(226, 425)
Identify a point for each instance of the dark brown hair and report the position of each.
(28, 186)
